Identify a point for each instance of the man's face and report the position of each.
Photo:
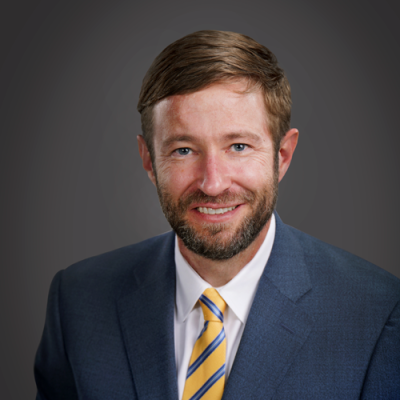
(215, 167)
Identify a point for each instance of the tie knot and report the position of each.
(213, 305)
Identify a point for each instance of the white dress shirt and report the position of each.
(237, 293)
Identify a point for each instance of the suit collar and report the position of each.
(286, 268)
(146, 314)
(277, 325)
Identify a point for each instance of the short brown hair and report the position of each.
(206, 57)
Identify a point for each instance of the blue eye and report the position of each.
(239, 146)
(183, 151)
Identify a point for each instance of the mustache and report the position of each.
(200, 197)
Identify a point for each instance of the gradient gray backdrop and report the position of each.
(72, 183)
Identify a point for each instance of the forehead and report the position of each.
(210, 112)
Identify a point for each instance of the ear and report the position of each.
(286, 150)
(146, 159)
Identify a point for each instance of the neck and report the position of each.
(219, 272)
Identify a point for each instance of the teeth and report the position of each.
(206, 210)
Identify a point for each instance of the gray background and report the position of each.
(71, 178)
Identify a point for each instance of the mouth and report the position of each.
(207, 210)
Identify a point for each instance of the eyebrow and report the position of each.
(229, 136)
(176, 138)
(243, 135)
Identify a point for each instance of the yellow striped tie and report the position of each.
(206, 373)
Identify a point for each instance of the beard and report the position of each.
(219, 241)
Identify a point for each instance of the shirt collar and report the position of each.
(237, 293)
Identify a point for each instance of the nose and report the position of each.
(215, 175)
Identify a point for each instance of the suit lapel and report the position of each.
(276, 327)
(146, 313)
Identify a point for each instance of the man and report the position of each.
(234, 304)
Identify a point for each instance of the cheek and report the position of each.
(253, 172)
(175, 177)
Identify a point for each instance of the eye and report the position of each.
(239, 146)
(183, 151)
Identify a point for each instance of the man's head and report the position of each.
(215, 115)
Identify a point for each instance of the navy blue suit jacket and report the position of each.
(324, 324)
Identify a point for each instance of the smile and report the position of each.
(206, 210)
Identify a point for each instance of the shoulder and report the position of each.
(109, 272)
(332, 268)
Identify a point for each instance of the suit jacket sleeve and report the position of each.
(53, 373)
(382, 380)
